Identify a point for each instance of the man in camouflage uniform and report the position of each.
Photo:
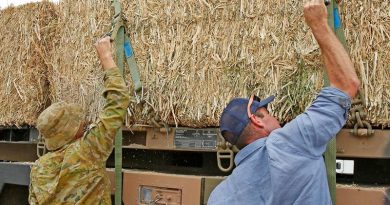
(74, 171)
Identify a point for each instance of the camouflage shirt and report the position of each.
(76, 173)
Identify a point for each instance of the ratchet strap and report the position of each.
(334, 22)
(123, 50)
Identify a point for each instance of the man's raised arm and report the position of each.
(101, 136)
(338, 65)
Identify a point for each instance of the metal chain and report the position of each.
(361, 127)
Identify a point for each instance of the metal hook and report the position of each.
(139, 99)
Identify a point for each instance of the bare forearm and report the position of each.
(338, 65)
(107, 62)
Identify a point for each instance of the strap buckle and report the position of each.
(117, 19)
(117, 22)
(41, 148)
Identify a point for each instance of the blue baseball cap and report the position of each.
(234, 117)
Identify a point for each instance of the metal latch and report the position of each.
(150, 195)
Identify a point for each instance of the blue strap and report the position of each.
(128, 50)
(336, 18)
(132, 64)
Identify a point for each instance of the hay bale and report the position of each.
(24, 47)
(197, 55)
(74, 73)
(368, 33)
(194, 56)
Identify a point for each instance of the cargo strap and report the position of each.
(119, 34)
(118, 23)
(334, 22)
(123, 49)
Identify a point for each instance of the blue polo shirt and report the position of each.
(287, 166)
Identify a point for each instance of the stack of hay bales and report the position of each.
(197, 55)
(25, 41)
(194, 56)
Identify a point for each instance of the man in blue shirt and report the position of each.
(284, 165)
